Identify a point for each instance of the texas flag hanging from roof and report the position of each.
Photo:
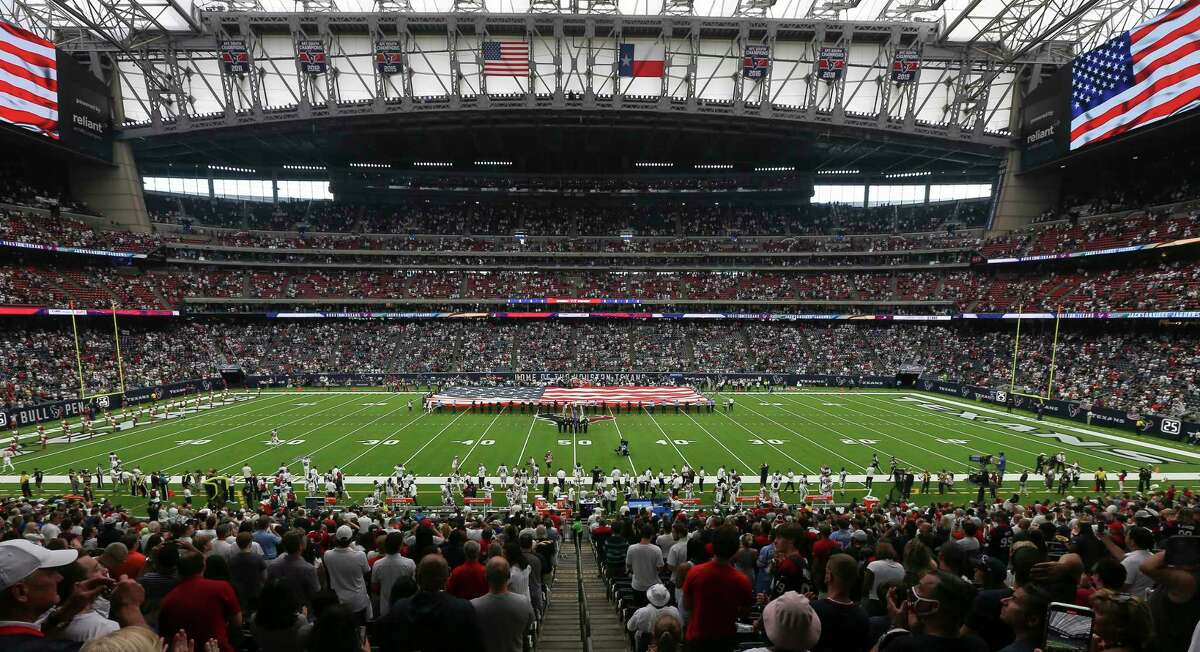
(630, 66)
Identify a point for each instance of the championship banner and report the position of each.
(831, 64)
(905, 65)
(235, 56)
(311, 55)
(388, 57)
(756, 61)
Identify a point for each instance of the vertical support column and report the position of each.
(1019, 198)
(114, 190)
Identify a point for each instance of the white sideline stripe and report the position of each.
(1051, 425)
(1035, 481)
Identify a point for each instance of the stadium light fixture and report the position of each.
(370, 165)
(753, 7)
(231, 168)
(653, 164)
(833, 172)
(432, 164)
(714, 166)
(776, 168)
(314, 168)
(493, 163)
(906, 175)
(678, 7)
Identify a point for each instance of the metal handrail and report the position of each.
(585, 623)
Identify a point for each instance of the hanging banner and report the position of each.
(311, 55)
(831, 64)
(756, 61)
(235, 56)
(905, 65)
(387, 57)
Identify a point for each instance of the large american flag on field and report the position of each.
(505, 58)
(646, 395)
(1144, 75)
(28, 81)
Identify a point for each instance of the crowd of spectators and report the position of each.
(924, 574)
(1150, 286)
(1138, 371)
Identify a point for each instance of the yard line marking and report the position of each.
(402, 428)
(243, 440)
(521, 455)
(176, 434)
(1007, 444)
(621, 436)
(431, 439)
(485, 432)
(812, 441)
(668, 438)
(139, 430)
(722, 444)
(327, 445)
(891, 437)
(743, 427)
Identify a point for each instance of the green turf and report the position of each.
(366, 433)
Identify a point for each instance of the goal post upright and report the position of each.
(1053, 352)
(1012, 383)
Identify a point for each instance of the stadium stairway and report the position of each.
(559, 631)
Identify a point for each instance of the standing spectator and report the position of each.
(644, 561)
(391, 568)
(266, 538)
(92, 622)
(931, 617)
(247, 570)
(347, 570)
(431, 620)
(201, 607)
(1025, 613)
(536, 595)
(501, 613)
(844, 624)
(1140, 541)
(791, 624)
(28, 590)
(641, 623)
(279, 625)
(293, 568)
(468, 580)
(715, 594)
(135, 561)
(884, 570)
(161, 578)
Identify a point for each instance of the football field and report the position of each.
(366, 433)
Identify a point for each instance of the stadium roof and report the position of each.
(1011, 27)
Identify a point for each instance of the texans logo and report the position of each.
(927, 384)
(1073, 411)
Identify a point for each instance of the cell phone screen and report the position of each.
(1068, 628)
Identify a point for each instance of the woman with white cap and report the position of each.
(641, 623)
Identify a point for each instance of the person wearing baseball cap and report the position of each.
(790, 624)
(347, 569)
(29, 578)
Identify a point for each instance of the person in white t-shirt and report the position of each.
(388, 570)
(883, 570)
(347, 569)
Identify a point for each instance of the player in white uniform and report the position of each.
(274, 437)
(8, 454)
(803, 487)
(454, 466)
(842, 481)
(42, 437)
(114, 462)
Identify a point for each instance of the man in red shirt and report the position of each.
(205, 609)
(821, 550)
(468, 580)
(715, 594)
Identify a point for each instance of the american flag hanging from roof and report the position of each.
(505, 58)
(645, 395)
(1144, 75)
(28, 81)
